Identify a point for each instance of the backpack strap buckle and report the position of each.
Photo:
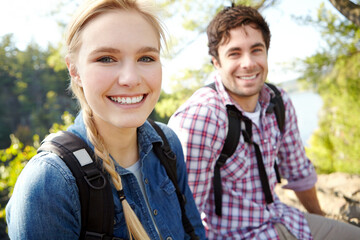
(99, 236)
(94, 236)
(99, 178)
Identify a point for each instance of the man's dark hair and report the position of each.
(229, 18)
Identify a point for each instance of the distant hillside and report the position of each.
(290, 86)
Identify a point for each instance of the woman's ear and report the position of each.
(73, 71)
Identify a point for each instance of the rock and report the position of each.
(338, 193)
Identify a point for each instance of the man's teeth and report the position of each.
(127, 100)
(248, 78)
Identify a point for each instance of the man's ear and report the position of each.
(215, 62)
(73, 71)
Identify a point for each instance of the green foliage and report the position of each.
(33, 90)
(67, 120)
(14, 158)
(334, 74)
(183, 86)
(13, 161)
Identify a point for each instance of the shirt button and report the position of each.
(274, 147)
(265, 141)
(155, 212)
(169, 238)
(146, 181)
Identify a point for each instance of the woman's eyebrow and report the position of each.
(115, 50)
(148, 49)
(104, 49)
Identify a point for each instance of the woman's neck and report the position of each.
(121, 144)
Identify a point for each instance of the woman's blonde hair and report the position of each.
(90, 10)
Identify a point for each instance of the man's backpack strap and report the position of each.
(277, 106)
(229, 148)
(97, 205)
(264, 180)
(168, 160)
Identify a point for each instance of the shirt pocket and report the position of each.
(237, 166)
(275, 143)
(170, 202)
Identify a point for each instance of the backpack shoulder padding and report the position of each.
(97, 204)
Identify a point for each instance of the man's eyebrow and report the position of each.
(233, 49)
(259, 44)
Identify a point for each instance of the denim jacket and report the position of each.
(45, 203)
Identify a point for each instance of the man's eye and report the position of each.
(105, 60)
(146, 59)
(233, 54)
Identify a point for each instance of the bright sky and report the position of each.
(30, 21)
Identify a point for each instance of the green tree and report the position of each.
(33, 85)
(8, 76)
(334, 73)
(14, 158)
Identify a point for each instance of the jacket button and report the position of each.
(155, 212)
(169, 238)
(146, 181)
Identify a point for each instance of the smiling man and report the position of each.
(246, 207)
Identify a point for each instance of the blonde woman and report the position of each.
(114, 63)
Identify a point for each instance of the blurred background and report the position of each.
(314, 54)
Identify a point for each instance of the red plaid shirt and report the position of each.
(201, 124)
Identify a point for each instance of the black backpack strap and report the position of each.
(97, 205)
(247, 133)
(231, 142)
(277, 106)
(168, 160)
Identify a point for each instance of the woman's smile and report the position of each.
(127, 100)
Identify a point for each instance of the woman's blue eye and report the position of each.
(105, 60)
(146, 59)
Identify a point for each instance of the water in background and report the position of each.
(307, 105)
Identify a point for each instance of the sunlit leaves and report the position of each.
(334, 74)
(14, 158)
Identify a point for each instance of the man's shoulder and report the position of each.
(204, 98)
(203, 107)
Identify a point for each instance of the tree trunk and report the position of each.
(349, 9)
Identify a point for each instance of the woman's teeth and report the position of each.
(127, 100)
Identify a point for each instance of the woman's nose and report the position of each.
(129, 75)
